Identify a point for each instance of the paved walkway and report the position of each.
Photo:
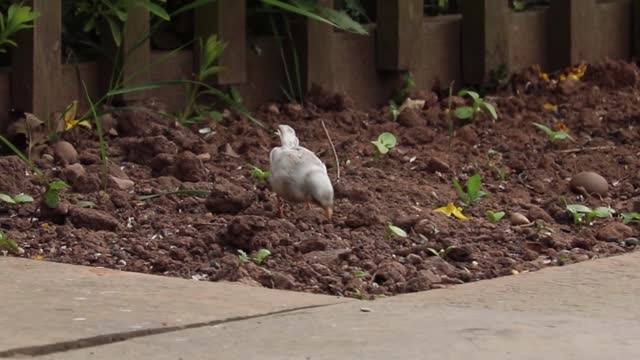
(585, 311)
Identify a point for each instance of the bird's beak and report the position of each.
(329, 212)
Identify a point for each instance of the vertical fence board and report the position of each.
(573, 32)
(227, 19)
(37, 62)
(319, 53)
(485, 41)
(636, 29)
(398, 33)
(136, 56)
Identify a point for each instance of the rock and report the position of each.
(590, 181)
(590, 119)
(204, 157)
(65, 153)
(354, 194)
(537, 213)
(121, 184)
(582, 243)
(92, 219)
(310, 245)
(434, 164)
(241, 231)
(614, 230)
(273, 109)
(293, 109)
(460, 254)
(189, 168)
(73, 172)
(390, 272)
(414, 259)
(363, 216)
(228, 198)
(631, 241)
(569, 86)
(410, 118)
(518, 219)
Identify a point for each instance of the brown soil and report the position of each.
(200, 237)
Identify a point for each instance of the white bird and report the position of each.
(297, 174)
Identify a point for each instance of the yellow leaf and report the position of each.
(544, 76)
(85, 123)
(38, 257)
(71, 111)
(550, 107)
(451, 209)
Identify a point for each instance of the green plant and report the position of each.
(18, 199)
(585, 215)
(394, 110)
(500, 76)
(185, 192)
(7, 243)
(385, 142)
(442, 253)
(401, 94)
(469, 112)
(473, 192)
(541, 227)
(394, 231)
(359, 274)
(632, 217)
(259, 257)
(51, 197)
(209, 52)
(259, 176)
(17, 18)
(97, 15)
(86, 204)
(495, 216)
(553, 135)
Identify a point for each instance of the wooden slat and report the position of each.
(227, 19)
(36, 63)
(136, 56)
(398, 33)
(319, 52)
(573, 32)
(485, 43)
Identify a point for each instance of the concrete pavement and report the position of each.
(589, 310)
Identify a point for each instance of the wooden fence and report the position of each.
(463, 47)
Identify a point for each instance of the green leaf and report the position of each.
(382, 149)
(461, 193)
(6, 198)
(464, 112)
(23, 198)
(387, 139)
(491, 109)
(116, 32)
(154, 9)
(244, 258)
(186, 192)
(260, 256)
(474, 95)
(603, 212)
(544, 128)
(630, 217)
(58, 185)
(5, 242)
(190, 6)
(86, 204)
(473, 186)
(434, 252)
(396, 231)
(495, 216)
(578, 209)
(52, 199)
(328, 16)
(359, 274)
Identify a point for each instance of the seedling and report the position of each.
(385, 142)
(541, 227)
(86, 204)
(495, 216)
(359, 274)
(394, 231)
(5, 242)
(260, 256)
(473, 192)
(442, 253)
(185, 192)
(554, 135)
(394, 110)
(632, 217)
(18, 199)
(585, 215)
(469, 112)
(51, 197)
(259, 176)
(408, 83)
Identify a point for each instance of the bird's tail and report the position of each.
(288, 136)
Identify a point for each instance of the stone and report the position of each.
(590, 181)
(518, 219)
(65, 153)
(121, 184)
(614, 230)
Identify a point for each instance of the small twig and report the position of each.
(333, 148)
(593, 148)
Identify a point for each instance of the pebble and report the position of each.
(592, 182)
(364, 309)
(518, 219)
(65, 152)
(121, 184)
(631, 241)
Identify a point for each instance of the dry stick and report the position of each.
(593, 148)
(333, 148)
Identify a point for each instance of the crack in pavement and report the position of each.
(99, 340)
